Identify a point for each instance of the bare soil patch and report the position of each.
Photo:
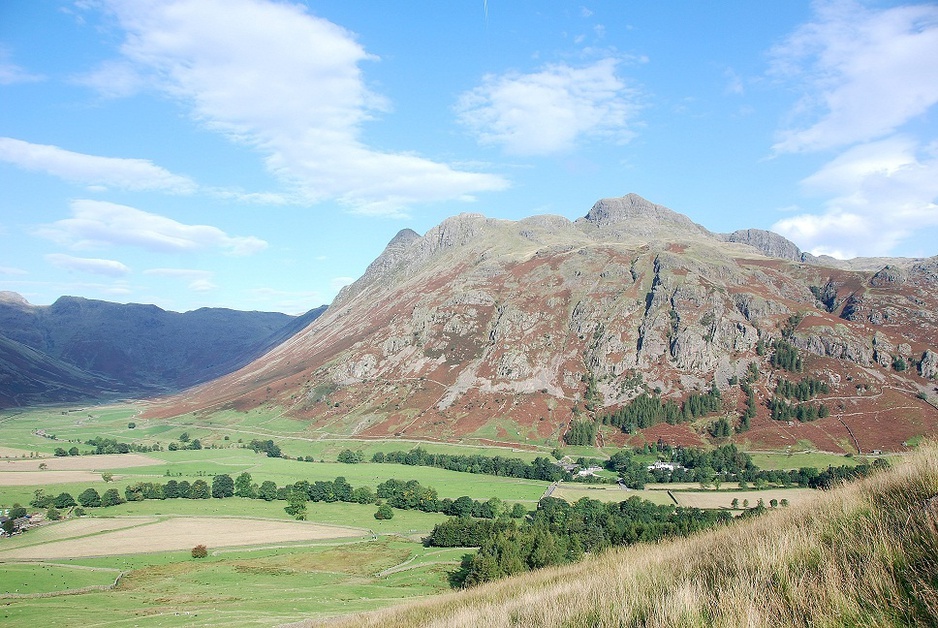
(181, 533)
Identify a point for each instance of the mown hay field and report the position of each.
(607, 493)
(87, 538)
(723, 499)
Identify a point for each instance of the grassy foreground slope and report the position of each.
(861, 555)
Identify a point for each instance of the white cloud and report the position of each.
(287, 83)
(198, 280)
(8, 270)
(97, 224)
(549, 111)
(881, 194)
(11, 73)
(114, 79)
(340, 282)
(107, 267)
(865, 72)
(295, 303)
(92, 170)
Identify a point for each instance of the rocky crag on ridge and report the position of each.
(496, 330)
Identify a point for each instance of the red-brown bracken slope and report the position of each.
(488, 330)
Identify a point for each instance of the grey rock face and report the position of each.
(635, 216)
(769, 243)
(928, 367)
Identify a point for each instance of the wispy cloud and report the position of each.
(92, 170)
(287, 83)
(549, 111)
(865, 72)
(197, 280)
(11, 73)
(298, 302)
(96, 224)
(107, 267)
(9, 270)
(880, 193)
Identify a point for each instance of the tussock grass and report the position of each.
(865, 554)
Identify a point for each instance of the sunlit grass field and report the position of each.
(265, 584)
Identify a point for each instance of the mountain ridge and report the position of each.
(508, 331)
(79, 348)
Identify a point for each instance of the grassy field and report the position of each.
(263, 568)
(817, 459)
(35, 578)
(237, 588)
(865, 555)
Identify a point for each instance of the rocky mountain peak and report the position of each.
(767, 242)
(632, 215)
(13, 298)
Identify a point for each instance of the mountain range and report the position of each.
(85, 349)
(511, 332)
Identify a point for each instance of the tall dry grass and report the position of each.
(865, 554)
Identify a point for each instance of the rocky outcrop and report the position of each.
(928, 366)
(632, 215)
(768, 243)
(508, 329)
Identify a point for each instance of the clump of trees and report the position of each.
(786, 357)
(558, 532)
(541, 468)
(648, 410)
(581, 432)
(351, 457)
(804, 412)
(269, 447)
(808, 388)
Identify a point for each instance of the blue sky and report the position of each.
(259, 154)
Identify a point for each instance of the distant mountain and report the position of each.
(488, 330)
(80, 348)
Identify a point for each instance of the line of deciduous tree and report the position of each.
(558, 532)
(541, 468)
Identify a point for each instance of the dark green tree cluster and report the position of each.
(832, 476)
(720, 428)
(113, 446)
(350, 457)
(644, 411)
(648, 410)
(750, 412)
(465, 531)
(581, 432)
(805, 412)
(411, 495)
(269, 447)
(559, 532)
(693, 465)
(540, 468)
(185, 443)
(785, 356)
(808, 388)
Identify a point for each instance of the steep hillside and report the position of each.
(862, 555)
(493, 330)
(80, 348)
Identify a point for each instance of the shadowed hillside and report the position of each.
(83, 349)
(865, 554)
